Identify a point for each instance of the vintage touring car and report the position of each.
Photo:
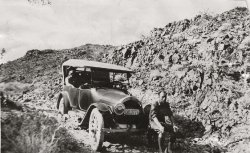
(100, 90)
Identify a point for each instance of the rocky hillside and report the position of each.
(201, 63)
(36, 63)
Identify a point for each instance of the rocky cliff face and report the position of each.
(202, 63)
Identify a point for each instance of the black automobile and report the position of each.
(100, 90)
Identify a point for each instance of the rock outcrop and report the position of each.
(202, 63)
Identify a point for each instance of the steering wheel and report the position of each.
(117, 83)
(85, 86)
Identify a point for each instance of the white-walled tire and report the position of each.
(96, 133)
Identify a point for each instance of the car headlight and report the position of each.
(119, 109)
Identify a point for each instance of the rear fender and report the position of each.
(65, 96)
(103, 108)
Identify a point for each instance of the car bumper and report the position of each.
(123, 128)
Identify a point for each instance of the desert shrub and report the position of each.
(34, 132)
(6, 103)
(13, 88)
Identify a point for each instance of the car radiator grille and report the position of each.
(130, 119)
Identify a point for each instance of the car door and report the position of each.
(73, 94)
(85, 99)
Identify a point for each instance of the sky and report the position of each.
(71, 23)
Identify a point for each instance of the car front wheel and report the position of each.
(96, 133)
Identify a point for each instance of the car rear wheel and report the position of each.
(96, 134)
(63, 109)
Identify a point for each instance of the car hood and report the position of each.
(112, 96)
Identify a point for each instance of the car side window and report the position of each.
(101, 76)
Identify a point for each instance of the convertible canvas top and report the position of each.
(97, 65)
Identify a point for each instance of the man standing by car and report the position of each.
(161, 120)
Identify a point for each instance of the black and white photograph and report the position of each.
(125, 76)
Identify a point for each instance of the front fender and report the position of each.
(103, 108)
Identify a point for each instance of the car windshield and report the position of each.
(101, 78)
(109, 79)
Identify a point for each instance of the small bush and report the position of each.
(34, 133)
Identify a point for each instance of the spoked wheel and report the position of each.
(96, 134)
